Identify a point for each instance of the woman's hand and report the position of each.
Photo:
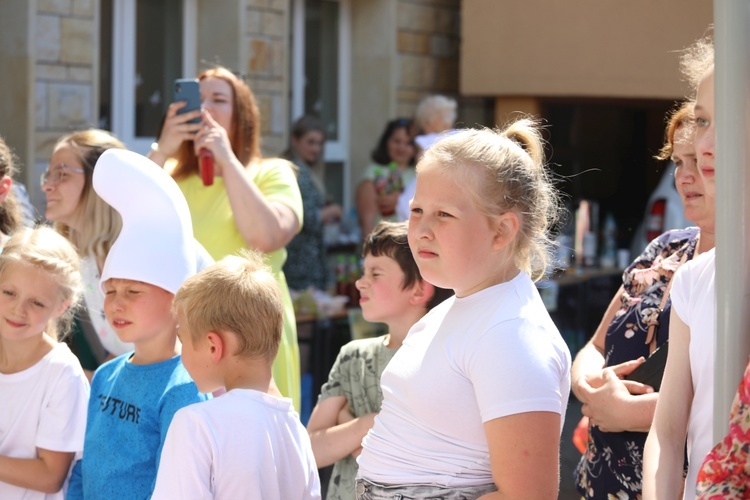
(213, 137)
(176, 129)
(609, 401)
(331, 213)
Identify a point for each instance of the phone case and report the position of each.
(188, 90)
(651, 371)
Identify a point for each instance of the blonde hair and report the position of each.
(434, 106)
(45, 249)
(680, 117)
(100, 223)
(10, 213)
(504, 171)
(696, 61)
(237, 295)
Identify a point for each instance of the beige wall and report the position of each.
(427, 46)
(16, 58)
(401, 52)
(252, 37)
(577, 48)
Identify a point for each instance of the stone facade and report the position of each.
(64, 86)
(266, 39)
(389, 75)
(427, 44)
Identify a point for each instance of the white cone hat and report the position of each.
(156, 244)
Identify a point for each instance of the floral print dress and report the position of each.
(725, 472)
(612, 466)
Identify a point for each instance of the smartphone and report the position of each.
(651, 371)
(188, 90)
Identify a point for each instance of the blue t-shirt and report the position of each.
(129, 412)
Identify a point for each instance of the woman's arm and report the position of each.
(612, 404)
(524, 455)
(590, 359)
(45, 473)
(663, 457)
(264, 225)
(332, 441)
(367, 206)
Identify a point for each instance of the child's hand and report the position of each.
(345, 415)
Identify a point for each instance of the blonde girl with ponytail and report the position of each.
(475, 399)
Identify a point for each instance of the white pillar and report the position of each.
(732, 39)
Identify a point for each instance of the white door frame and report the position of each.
(123, 66)
(338, 150)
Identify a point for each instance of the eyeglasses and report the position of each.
(56, 174)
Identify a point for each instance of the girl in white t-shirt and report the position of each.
(475, 398)
(43, 391)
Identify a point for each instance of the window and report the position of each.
(320, 79)
(145, 46)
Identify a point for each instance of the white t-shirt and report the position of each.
(243, 444)
(94, 298)
(43, 406)
(694, 301)
(470, 360)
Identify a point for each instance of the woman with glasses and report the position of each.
(384, 180)
(84, 218)
(307, 261)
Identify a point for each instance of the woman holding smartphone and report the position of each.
(252, 203)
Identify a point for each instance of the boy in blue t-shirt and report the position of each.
(135, 396)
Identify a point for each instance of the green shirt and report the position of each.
(356, 376)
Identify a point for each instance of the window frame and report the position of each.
(124, 17)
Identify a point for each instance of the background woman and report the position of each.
(306, 263)
(253, 203)
(85, 219)
(636, 322)
(374, 201)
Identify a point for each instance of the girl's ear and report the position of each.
(422, 292)
(61, 309)
(506, 229)
(5, 185)
(215, 346)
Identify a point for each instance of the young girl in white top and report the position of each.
(475, 398)
(43, 391)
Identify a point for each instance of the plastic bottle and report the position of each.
(341, 276)
(609, 242)
(380, 180)
(353, 274)
(395, 182)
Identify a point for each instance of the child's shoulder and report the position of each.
(63, 357)
(363, 347)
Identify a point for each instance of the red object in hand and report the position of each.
(581, 435)
(206, 165)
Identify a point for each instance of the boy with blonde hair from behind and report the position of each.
(246, 443)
